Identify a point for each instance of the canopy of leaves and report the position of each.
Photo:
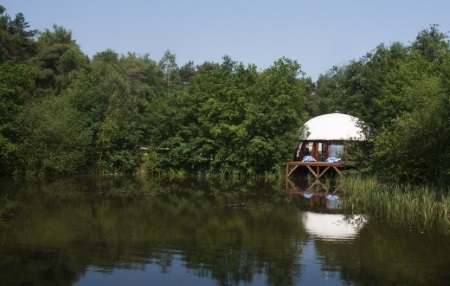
(16, 40)
(232, 119)
(53, 138)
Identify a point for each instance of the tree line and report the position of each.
(65, 113)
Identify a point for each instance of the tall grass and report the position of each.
(399, 205)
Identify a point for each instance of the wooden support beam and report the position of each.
(291, 186)
(337, 170)
(324, 171)
(314, 168)
(290, 169)
(312, 171)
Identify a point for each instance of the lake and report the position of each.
(141, 231)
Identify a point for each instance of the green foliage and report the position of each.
(232, 119)
(16, 40)
(328, 94)
(115, 93)
(415, 148)
(224, 118)
(58, 62)
(432, 44)
(399, 205)
(53, 138)
(411, 143)
(170, 68)
(15, 86)
(400, 93)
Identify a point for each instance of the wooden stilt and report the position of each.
(317, 169)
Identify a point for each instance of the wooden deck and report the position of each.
(317, 169)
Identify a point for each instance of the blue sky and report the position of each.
(317, 33)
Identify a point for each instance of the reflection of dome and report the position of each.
(334, 126)
(332, 226)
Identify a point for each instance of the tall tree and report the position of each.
(186, 72)
(115, 94)
(415, 148)
(15, 86)
(53, 138)
(58, 62)
(329, 93)
(170, 68)
(16, 39)
(432, 44)
(236, 119)
(274, 115)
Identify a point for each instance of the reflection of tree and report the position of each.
(125, 223)
(50, 233)
(34, 266)
(235, 249)
(388, 257)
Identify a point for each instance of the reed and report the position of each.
(399, 205)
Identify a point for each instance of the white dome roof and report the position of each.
(333, 126)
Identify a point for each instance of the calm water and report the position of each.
(125, 231)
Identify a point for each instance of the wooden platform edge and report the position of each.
(314, 168)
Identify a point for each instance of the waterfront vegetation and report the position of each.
(419, 207)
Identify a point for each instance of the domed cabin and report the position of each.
(322, 144)
(324, 137)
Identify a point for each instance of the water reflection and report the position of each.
(121, 231)
(301, 185)
(321, 216)
(188, 231)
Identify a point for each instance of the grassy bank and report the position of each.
(425, 208)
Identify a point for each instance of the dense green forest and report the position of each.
(62, 112)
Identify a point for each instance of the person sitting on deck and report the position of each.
(308, 157)
(333, 159)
